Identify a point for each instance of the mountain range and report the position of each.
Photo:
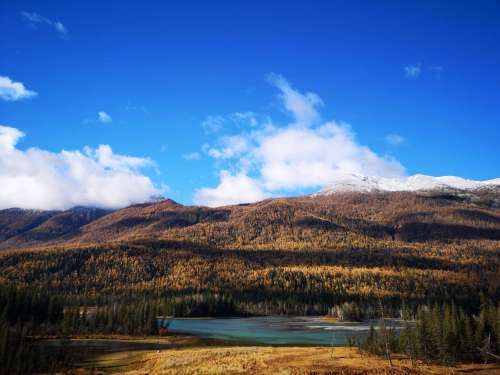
(415, 208)
(296, 255)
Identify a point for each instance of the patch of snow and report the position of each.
(418, 182)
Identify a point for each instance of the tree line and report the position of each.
(24, 315)
(444, 334)
(27, 316)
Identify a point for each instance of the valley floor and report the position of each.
(188, 355)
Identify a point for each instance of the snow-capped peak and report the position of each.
(418, 182)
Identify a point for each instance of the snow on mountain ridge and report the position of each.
(418, 182)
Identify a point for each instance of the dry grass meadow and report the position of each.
(179, 355)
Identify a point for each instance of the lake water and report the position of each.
(276, 330)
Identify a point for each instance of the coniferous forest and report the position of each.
(445, 334)
(431, 260)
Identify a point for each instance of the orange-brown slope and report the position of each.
(342, 219)
(310, 222)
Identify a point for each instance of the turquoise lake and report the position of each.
(276, 330)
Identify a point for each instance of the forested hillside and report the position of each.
(19, 227)
(296, 255)
(321, 222)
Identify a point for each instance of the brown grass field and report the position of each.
(188, 355)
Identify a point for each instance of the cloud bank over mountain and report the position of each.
(40, 179)
(308, 152)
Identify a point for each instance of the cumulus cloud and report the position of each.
(303, 154)
(35, 19)
(40, 179)
(297, 158)
(229, 147)
(303, 107)
(12, 91)
(412, 71)
(104, 117)
(231, 190)
(395, 139)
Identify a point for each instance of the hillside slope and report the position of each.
(20, 228)
(284, 223)
(290, 255)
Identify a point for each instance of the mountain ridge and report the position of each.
(348, 215)
(418, 182)
(284, 255)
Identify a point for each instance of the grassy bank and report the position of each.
(189, 355)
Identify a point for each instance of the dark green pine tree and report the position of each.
(467, 349)
(371, 341)
(426, 347)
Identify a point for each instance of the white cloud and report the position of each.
(60, 27)
(105, 156)
(230, 147)
(9, 138)
(306, 153)
(297, 158)
(395, 139)
(412, 71)
(35, 19)
(212, 124)
(303, 107)
(232, 189)
(192, 156)
(40, 179)
(248, 119)
(104, 117)
(244, 118)
(12, 91)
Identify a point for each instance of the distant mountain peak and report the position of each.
(417, 182)
(157, 198)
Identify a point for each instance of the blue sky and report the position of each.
(178, 83)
